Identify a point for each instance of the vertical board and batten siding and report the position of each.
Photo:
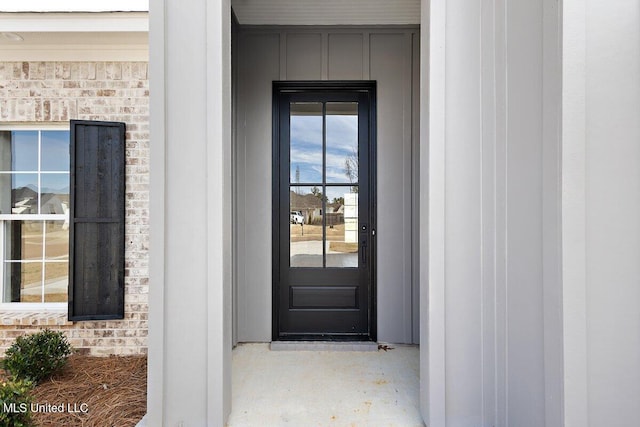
(96, 264)
(390, 56)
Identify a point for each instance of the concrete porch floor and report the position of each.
(325, 388)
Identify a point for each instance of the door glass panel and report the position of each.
(342, 142)
(305, 223)
(342, 226)
(305, 148)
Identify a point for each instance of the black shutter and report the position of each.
(96, 241)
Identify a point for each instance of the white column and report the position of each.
(601, 207)
(491, 344)
(432, 213)
(190, 286)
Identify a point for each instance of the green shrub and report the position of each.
(35, 357)
(15, 401)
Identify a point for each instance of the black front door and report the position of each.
(324, 210)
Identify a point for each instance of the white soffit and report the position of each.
(118, 36)
(327, 12)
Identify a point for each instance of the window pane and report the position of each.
(26, 281)
(24, 150)
(55, 150)
(57, 240)
(6, 201)
(342, 227)
(5, 151)
(34, 179)
(305, 218)
(24, 193)
(6, 281)
(342, 142)
(25, 240)
(55, 193)
(306, 142)
(56, 281)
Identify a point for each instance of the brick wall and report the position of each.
(55, 92)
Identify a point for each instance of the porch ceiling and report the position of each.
(327, 12)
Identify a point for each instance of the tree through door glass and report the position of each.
(323, 184)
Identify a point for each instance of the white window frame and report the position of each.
(30, 306)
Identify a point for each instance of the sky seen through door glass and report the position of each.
(306, 147)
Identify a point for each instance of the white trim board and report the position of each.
(73, 5)
(74, 22)
(76, 53)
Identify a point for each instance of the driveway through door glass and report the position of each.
(323, 277)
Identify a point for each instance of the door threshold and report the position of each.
(324, 346)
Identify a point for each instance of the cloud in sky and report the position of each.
(306, 147)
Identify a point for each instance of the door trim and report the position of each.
(319, 87)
